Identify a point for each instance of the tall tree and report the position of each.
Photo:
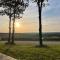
(7, 11)
(9, 28)
(18, 7)
(13, 9)
(40, 3)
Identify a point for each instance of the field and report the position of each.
(30, 52)
(26, 47)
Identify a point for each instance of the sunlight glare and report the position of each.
(17, 24)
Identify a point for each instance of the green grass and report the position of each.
(29, 52)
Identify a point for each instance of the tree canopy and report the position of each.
(17, 7)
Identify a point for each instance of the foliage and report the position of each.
(16, 6)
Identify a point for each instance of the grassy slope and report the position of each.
(31, 52)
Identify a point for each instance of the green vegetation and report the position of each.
(29, 52)
(52, 36)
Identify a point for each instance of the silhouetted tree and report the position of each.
(40, 4)
(18, 7)
(7, 11)
(13, 9)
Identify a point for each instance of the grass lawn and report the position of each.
(29, 52)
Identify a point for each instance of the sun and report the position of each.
(17, 24)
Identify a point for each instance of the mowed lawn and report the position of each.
(30, 52)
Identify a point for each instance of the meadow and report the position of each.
(31, 52)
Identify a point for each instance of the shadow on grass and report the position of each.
(7, 48)
(43, 46)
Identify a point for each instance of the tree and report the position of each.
(13, 9)
(7, 11)
(40, 3)
(17, 11)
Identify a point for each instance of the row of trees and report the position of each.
(13, 9)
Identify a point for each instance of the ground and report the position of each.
(5, 57)
(31, 52)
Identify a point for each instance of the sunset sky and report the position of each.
(30, 23)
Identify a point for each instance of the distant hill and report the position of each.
(21, 36)
(50, 36)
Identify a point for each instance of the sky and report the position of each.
(30, 23)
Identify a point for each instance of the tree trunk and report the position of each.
(40, 23)
(9, 30)
(13, 31)
(13, 28)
